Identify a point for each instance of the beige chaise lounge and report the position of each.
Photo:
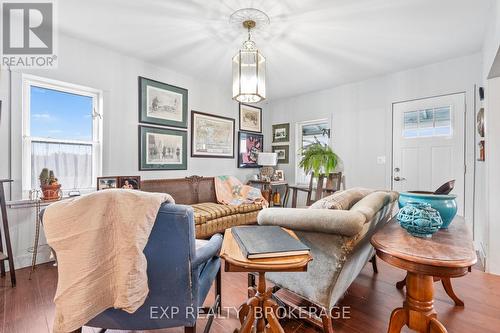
(338, 229)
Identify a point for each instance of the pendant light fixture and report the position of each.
(249, 65)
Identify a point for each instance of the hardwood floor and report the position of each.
(28, 308)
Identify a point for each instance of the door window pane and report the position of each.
(410, 124)
(427, 123)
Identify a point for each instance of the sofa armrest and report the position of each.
(340, 222)
(209, 250)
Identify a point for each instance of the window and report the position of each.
(62, 131)
(307, 133)
(427, 123)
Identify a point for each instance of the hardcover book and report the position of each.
(257, 242)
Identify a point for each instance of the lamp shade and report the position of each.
(267, 159)
(249, 76)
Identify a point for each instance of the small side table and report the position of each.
(448, 254)
(272, 187)
(261, 303)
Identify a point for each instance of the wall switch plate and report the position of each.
(380, 159)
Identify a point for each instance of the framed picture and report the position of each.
(105, 183)
(279, 175)
(281, 133)
(129, 182)
(211, 136)
(162, 149)
(250, 118)
(162, 104)
(282, 152)
(249, 146)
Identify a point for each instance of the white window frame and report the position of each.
(298, 139)
(97, 129)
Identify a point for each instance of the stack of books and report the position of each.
(258, 242)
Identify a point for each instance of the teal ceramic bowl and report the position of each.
(445, 204)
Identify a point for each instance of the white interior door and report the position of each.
(428, 145)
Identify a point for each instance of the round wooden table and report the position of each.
(448, 254)
(260, 307)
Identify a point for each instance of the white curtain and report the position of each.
(71, 163)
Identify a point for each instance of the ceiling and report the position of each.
(309, 45)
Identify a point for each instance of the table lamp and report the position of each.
(267, 161)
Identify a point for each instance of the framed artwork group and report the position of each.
(281, 135)
(161, 105)
(163, 131)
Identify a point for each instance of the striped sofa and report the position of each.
(199, 192)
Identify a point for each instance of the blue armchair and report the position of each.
(180, 274)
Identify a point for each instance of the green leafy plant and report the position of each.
(318, 158)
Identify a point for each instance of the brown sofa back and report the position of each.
(185, 191)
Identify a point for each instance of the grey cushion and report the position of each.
(340, 222)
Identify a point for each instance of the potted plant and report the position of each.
(49, 185)
(318, 158)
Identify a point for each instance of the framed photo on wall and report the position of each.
(250, 118)
(211, 136)
(162, 149)
(283, 153)
(249, 146)
(162, 104)
(281, 133)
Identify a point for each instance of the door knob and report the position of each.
(399, 179)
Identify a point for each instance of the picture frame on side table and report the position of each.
(249, 146)
(115, 182)
(283, 153)
(250, 118)
(281, 133)
(162, 104)
(105, 183)
(211, 135)
(162, 149)
(279, 175)
(129, 182)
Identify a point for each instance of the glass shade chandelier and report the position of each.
(249, 65)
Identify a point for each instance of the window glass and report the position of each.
(60, 115)
(427, 123)
(60, 135)
(309, 134)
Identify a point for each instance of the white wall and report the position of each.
(490, 176)
(90, 65)
(361, 117)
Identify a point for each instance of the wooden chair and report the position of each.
(333, 182)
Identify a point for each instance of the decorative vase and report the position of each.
(445, 204)
(419, 219)
(51, 192)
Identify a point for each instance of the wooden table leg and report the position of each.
(260, 310)
(419, 301)
(399, 318)
(446, 281)
(449, 290)
(400, 285)
(418, 308)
